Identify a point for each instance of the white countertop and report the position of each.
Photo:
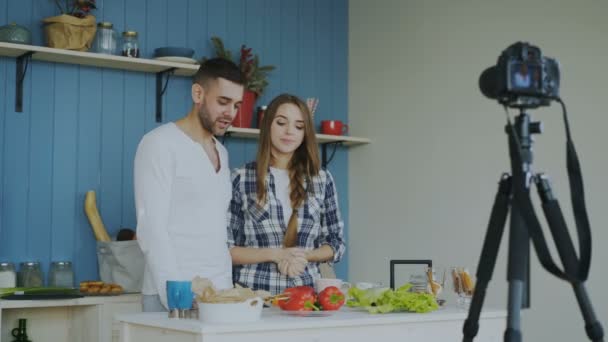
(87, 300)
(274, 319)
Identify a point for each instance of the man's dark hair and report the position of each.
(215, 68)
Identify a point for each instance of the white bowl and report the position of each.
(247, 311)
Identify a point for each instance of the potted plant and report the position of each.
(74, 29)
(256, 79)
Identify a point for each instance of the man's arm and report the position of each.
(152, 180)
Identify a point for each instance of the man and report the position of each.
(183, 189)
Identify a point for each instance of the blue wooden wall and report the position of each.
(80, 125)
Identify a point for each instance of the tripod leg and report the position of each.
(488, 256)
(519, 249)
(594, 329)
(565, 249)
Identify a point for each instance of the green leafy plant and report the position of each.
(256, 76)
(384, 300)
(76, 8)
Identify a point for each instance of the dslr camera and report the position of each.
(522, 78)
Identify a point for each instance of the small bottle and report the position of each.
(130, 45)
(261, 111)
(8, 277)
(105, 39)
(61, 274)
(30, 275)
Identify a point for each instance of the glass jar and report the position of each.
(419, 283)
(8, 277)
(30, 275)
(130, 46)
(61, 274)
(105, 39)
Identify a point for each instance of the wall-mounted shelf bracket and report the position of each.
(160, 91)
(324, 159)
(21, 64)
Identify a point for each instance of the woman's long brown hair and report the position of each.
(304, 163)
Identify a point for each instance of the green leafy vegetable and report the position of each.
(384, 300)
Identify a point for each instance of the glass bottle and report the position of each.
(8, 277)
(105, 39)
(61, 274)
(130, 45)
(261, 111)
(30, 275)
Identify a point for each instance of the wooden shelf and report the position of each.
(323, 139)
(22, 53)
(41, 53)
(162, 69)
(253, 133)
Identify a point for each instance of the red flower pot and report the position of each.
(245, 113)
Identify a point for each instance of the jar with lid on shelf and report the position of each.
(105, 39)
(130, 45)
(8, 277)
(30, 275)
(61, 274)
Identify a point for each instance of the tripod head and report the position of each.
(524, 127)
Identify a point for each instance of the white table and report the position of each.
(346, 325)
(81, 319)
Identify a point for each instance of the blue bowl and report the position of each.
(173, 52)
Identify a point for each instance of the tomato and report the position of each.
(331, 298)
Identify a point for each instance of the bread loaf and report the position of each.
(90, 208)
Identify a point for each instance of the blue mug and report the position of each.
(179, 294)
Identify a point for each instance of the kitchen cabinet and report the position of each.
(347, 324)
(88, 319)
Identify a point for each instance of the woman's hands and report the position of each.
(291, 261)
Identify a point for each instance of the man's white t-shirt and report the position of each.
(181, 204)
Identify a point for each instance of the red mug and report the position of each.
(333, 127)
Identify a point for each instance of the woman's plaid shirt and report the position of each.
(319, 223)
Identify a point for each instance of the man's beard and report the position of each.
(206, 122)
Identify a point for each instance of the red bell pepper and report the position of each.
(331, 298)
(300, 298)
(300, 289)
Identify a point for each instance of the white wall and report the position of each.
(424, 186)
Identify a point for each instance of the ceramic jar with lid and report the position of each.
(16, 34)
(130, 45)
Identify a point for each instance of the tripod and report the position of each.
(514, 191)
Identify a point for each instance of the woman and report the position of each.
(284, 218)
